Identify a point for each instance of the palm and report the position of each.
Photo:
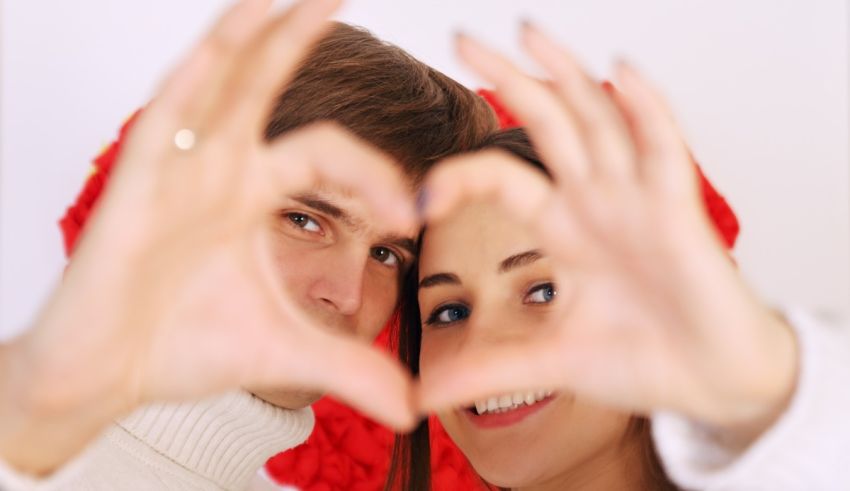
(172, 280)
(649, 300)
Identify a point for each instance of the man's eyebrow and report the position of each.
(323, 205)
(405, 243)
(439, 279)
(518, 260)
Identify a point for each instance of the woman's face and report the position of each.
(483, 280)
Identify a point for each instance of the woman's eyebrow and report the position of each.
(439, 279)
(518, 260)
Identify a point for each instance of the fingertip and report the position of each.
(528, 30)
(608, 87)
(407, 215)
(436, 209)
(627, 74)
(461, 42)
(428, 200)
(469, 48)
(259, 5)
(422, 199)
(323, 7)
(412, 415)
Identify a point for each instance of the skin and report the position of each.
(187, 299)
(570, 443)
(623, 223)
(339, 267)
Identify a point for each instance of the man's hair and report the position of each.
(385, 96)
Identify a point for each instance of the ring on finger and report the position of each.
(185, 139)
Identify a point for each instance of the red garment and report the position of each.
(347, 451)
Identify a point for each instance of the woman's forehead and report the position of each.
(479, 234)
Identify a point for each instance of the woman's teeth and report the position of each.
(510, 402)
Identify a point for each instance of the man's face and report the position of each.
(339, 265)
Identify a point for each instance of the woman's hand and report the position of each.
(171, 293)
(653, 313)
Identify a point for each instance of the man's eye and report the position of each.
(448, 314)
(543, 293)
(385, 256)
(304, 222)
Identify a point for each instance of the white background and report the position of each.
(761, 87)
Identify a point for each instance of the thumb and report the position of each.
(364, 377)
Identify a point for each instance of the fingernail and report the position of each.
(608, 87)
(623, 65)
(422, 198)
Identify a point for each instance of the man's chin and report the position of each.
(288, 399)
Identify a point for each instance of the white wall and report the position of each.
(761, 87)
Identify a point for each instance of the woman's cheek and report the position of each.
(429, 351)
(380, 297)
(438, 345)
(425, 354)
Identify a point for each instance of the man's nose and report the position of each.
(339, 286)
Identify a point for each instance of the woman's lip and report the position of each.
(507, 418)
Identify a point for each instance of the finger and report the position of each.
(663, 154)
(616, 97)
(602, 126)
(187, 94)
(549, 125)
(485, 175)
(269, 63)
(522, 191)
(325, 153)
(475, 374)
(356, 373)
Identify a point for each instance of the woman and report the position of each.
(512, 282)
(549, 320)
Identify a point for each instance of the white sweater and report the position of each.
(807, 449)
(216, 444)
(220, 443)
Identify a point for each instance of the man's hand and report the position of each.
(171, 293)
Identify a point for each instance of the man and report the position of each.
(233, 249)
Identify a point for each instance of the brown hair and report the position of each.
(410, 468)
(385, 96)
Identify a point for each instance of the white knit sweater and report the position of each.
(807, 449)
(220, 443)
(215, 444)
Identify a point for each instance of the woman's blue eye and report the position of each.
(449, 314)
(304, 222)
(543, 293)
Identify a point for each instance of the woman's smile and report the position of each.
(508, 409)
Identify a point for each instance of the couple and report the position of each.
(556, 293)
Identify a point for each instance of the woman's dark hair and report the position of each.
(410, 467)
